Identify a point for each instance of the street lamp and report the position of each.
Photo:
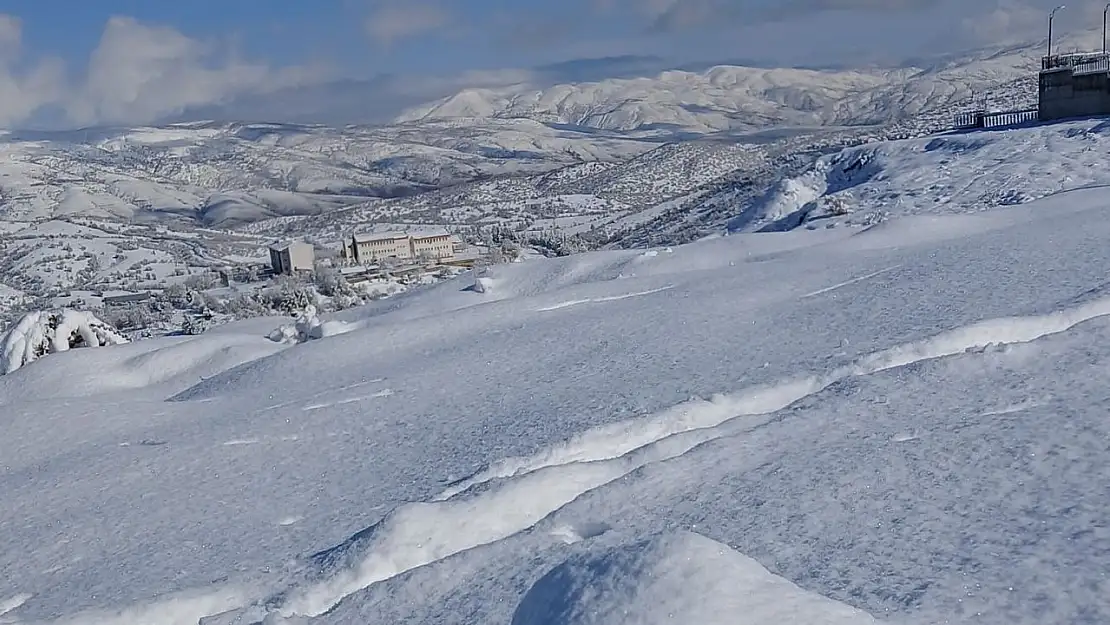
(1104, 12)
(1050, 16)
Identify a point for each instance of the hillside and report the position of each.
(681, 192)
(835, 425)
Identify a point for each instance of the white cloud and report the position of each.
(140, 73)
(137, 74)
(392, 22)
(24, 90)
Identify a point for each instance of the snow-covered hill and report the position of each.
(67, 262)
(904, 423)
(731, 98)
(960, 172)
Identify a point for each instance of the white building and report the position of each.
(433, 245)
(291, 257)
(403, 246)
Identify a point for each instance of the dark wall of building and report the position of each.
(1063, 94)
(277, 262)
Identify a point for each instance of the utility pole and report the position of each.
(1050, 18)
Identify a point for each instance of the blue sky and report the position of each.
(91, 61)
(483, 33)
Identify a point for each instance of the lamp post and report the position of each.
(1050, 17)
(1105, 10)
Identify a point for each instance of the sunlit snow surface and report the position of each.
(902, 424)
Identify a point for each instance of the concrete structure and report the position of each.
(291, 257)
(1074, 85)
(399, 246)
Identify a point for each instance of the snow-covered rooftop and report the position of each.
(284, 245)
(364, 237)
(392, 235)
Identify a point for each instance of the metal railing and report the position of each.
(983, 119)
(1073, 60)
(1100, 66)
(1010, 118)
(970, 119)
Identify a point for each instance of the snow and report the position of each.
(648, 583)
(307, 327)
(743, 99)
(903, 423)
(233, 173)
(39, 334)
(952, 173)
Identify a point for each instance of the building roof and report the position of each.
(284, 245)
(425, 233)
(393, 235)
(366, 237)
(126, 298)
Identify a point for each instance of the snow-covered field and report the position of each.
(903, 423)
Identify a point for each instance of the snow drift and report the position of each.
(674, 578)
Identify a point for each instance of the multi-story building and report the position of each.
(402, 246)
(433, 245)
(375, 247)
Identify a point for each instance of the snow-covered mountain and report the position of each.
(120, 208)
(730, 98)
(674, 194)
(679, 192)
(743, 99)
